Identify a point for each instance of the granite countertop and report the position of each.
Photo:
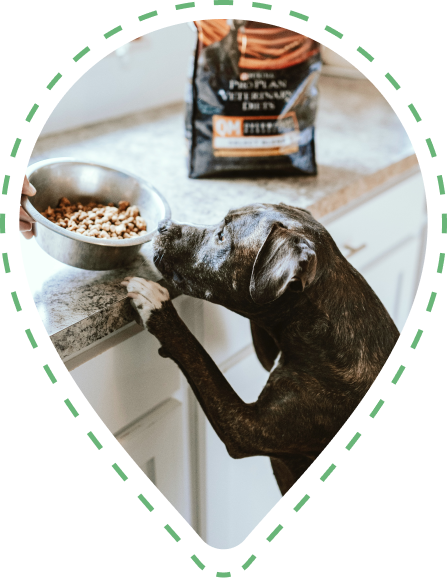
(360, 145)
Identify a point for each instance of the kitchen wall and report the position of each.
(144, 74)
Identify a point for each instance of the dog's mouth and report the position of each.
(177, 277)
(174, 278)
(158, 257)
(168, 272)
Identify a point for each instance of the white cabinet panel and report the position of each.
(225, 332)
(155, 443)
(127, 380)
(377, 226)
(394, 278)
(133, 78)
(239, 493)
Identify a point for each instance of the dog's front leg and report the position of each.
(233, 420)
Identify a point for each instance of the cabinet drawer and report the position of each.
(225, 332)
(127, 380)
(381, 223)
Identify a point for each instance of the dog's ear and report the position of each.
(285, 260)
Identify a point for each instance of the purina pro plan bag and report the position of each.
(252, 100)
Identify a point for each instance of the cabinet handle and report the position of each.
(353, 250)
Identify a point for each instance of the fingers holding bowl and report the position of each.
(27, 188)
(25, 221)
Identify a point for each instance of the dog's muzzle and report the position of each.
(170, 229)
(164, 226)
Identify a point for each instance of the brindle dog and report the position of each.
(309, 309)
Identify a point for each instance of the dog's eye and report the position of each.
(220, 236)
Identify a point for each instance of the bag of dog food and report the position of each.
(252, 99)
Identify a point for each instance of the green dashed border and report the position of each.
(69, 405)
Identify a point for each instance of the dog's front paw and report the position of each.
(146, 296)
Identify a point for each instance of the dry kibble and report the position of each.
(140, 222)
(132, 211)
(97, 220)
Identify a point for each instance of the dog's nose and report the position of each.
(164, 225)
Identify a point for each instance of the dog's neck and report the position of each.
(339, 309)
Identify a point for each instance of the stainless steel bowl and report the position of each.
(81, 181)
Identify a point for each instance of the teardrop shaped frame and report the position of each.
(200, 554)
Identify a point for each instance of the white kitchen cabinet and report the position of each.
(127, 380)
(145, 402)
(384, 239)
(238, 493)
(155, 444)
(367, 230)
(394, 279)
(224, 335)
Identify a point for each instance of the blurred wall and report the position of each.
(147, 73)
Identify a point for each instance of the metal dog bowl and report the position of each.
(83, 182)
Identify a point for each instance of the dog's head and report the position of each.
(253, 257)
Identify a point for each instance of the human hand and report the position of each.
(25, 221)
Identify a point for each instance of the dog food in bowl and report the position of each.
(98, 220)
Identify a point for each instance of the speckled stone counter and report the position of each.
(360, 145)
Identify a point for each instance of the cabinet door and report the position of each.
(239, 493)
(225, 333)
(155, 443)
(383, 238)
(394, 278)
(367, 231)
(126, 381)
